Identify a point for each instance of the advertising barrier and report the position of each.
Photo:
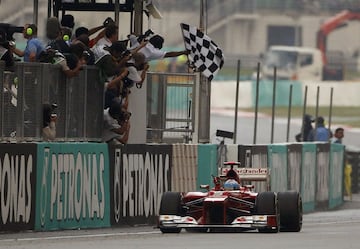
(56, 186)
(206, 164)
(277, 158)
(322, 175)
(294, 152)
(253, 156)
(17, 186)
(72, 187)
(336, 172)
(139, 175)
(308, 176)
(185, 169)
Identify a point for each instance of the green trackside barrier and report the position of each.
(282, 92)
(336, 176)
(72, 186)
(322, 175)
(207, 158)
(308, 176)
(294, 153)
(277, 163)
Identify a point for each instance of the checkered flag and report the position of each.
(204, 55)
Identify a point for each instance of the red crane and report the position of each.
(338, 21)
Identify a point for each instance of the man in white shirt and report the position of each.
(111, 35)
(152, 50)
(137, 68)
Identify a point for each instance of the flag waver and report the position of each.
(204, 54)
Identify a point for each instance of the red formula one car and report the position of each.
(232, 207)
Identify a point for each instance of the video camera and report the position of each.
(127, 115)
(10, 30)
(49, 113)
(108, 21)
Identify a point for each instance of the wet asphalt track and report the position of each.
(331, 230)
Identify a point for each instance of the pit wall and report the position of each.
(57, 186)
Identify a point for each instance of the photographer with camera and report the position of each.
(114, 90)
(82, 35)
(49, 122)
(112, 64)
(116, 125)
(111, 36)
(84, 31)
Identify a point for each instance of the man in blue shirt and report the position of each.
(321, 133)
(34, 46)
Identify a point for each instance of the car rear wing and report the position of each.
(247, 175)
(250, 174)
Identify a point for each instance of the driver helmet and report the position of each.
(231, 184)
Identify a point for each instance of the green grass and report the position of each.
(349, 116)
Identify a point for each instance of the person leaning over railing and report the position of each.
(137, 67)
(71, 64)
(113, 60)
(114, 89)
(71, 57)
(111, 36)
(153, 47)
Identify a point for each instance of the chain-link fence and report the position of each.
(79, 102)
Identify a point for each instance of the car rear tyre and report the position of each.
(170, 204)
(266, 204)
(290, 205)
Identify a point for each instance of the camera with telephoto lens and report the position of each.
(127, 115)
(9, 30)
(108, 21)
(49, 113)
(5, 44)
(125, 53)
(54, 106)
(86, 55)
(144, 36)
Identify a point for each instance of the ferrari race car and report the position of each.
(232, 207)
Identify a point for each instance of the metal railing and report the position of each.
(24, 91)
(170, 104)
(170, 107)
